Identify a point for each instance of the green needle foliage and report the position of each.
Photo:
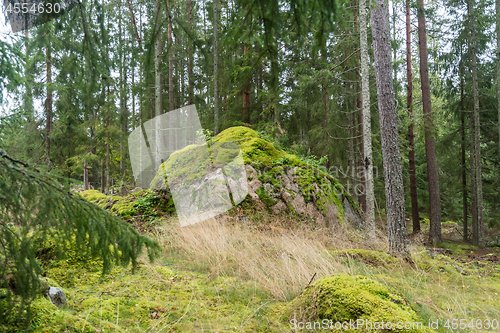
(34, 208)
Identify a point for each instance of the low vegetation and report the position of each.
(226, 276)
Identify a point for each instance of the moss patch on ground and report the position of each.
(344, 298)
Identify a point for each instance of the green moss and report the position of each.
(49, 318)
(367, 256)
(449, 224)
(92, 195)
(124, 206)
(343, 297)
(192, 162)
(265, 198)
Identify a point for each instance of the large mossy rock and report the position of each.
(356, 301)
(276, 180)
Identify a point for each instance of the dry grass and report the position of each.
(280, 260)
(283, 261)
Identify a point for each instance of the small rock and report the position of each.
(57, 296)
(279, 207)
(136, 189)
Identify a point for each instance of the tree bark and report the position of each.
(107, 143)
(85, 175)
(48, 102)
(170, 81)
(497, 9)
(478, 236)
(158, 88)
(369, 196)
(411, 135)
(190, 56)
(216, 69)
(246, 95)
(473, 192)
(430, 147)
(393, 174)
(464, 169)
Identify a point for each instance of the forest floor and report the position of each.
(225, 276)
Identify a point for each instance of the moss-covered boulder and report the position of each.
(274, 179)
(356, 302)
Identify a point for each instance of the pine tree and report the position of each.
(393, 174)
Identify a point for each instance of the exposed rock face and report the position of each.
(272, 179)
(57, 296)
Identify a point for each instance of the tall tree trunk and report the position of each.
(107, 141)
(462, 143)
(123, 103)
(216, 69)
(246, 94)
(430, 147)
(369, 218)
(351, 177)
(170, 81)
(48, 102)
(478, 237)
(473, 192)
(411, 135)
(497, 8)
(158, 88)
(190, 56)
(393, 174)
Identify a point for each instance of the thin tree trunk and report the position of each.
(351, 178)
(369, 218)
(170, 81)
(216, 69)
(393, 174)
(107, 144)
(411, 135)
(85, 175)
(473, 192)
(478, 237)
(246, 95)
(497, 8)
(190, 56)
(102, 177)
(158, 89)
(464, 170)
(48, 103)
(133, 23)
(430, 147)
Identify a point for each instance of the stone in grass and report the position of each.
(355, 299)
(57, 296)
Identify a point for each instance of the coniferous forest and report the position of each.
(368, 134)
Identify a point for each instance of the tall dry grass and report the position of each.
(281, 261)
